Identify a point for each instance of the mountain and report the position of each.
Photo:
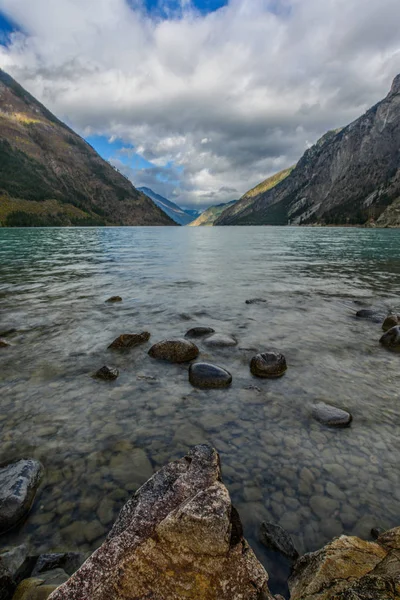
(249, 197)
(51, 176)
(211, 214)
(175, 212)
(350, 176)
(193, 212)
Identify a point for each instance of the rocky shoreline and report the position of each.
(179, 537)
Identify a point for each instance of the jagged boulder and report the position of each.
(350, 569)
(178, 538)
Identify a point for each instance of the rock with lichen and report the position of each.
(178, 538)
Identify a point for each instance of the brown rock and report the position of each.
(114, 299)
(390, 321)
(4, 344)
(178, 538)
(324, 574)
(130, 340)
(107, 373)
(391, 339)
(178, 350)
(268, 364)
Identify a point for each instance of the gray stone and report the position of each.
(275, 537)
(129, 340)
(197, 332)
(256, 301)
(205, 375)
(323, 506)
(330, 415)
(107, 373)
(18, 485)
(67, 561)
(175, 350)
(220, 340)
(369, 314)
(391, 339)
(268, 364)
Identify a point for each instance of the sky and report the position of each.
(201, 100)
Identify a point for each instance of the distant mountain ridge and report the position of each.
(211, 214)
(175, 212)
(351, 176)
(50, 176)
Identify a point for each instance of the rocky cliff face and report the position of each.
(51, 176)
(211, 214)
(350, 176)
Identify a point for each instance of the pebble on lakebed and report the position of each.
(268, 364)
(205, 375)
(129, 340)
(331, 416)
(114, 299)
(107, 373)
(176, 350)
(220, 340)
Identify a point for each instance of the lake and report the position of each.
(99, 441)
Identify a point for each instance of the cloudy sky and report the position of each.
(200, 100)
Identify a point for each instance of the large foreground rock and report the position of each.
(350, 569)
(18, 485)
(178, 538)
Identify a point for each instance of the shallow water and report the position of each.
(100, 441)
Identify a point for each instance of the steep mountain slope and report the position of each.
(350, 176)
(249, 197)
(51, 176)
(175, 212)
(211, 214)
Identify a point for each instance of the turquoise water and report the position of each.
(99, 441)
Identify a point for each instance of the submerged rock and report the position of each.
(275, 537)
(197, 332)
(256, 301)
(220, 340)
(107, 373)
(369, 314)
(129, 340)
(176, 350)
(178, 538)
(349, 568)
(390, 321)
(331, 416)
(67, 561)
(268, 364)
(204, 375)
(18, 485)
(391, 339)
(114, 299)
(40, 587)
(3, 343)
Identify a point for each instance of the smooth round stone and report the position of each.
(331, 416)
(220, 340)
(204, 375)
(107, 373)
(114, 299)
(177, 350)
(390, 321)
(197, 332)
(391, 339)
(268, 364)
